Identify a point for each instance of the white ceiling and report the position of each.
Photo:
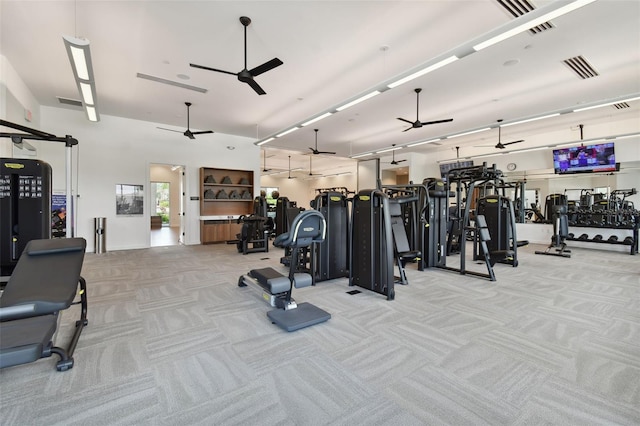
(333, 51)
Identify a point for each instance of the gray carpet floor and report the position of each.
(172, 340)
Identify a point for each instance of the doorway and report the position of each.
(166, 183)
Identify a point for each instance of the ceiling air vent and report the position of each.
(71, 102)
(621, 105)
(581, 67)
(518, 8)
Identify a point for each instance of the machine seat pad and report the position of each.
(271, 280)
(410, 255)
(23, 340)
(302, 280)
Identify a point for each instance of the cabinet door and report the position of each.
(215, 232)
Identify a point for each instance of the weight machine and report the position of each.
(15, 176)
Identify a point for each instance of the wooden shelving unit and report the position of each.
(232, 183)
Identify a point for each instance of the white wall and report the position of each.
(15, 98)
(119, 151)
(302, 190)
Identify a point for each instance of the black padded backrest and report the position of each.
(307, 227)
(46, 275)
(397, 228)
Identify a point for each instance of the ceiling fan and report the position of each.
(188, 133)
(290, 177)
(393, 157)
(501, 145)
(315, 151)
(310, 168)
(245, 75)
(264, 167)
(417, 124)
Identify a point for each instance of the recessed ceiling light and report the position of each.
(511, 62)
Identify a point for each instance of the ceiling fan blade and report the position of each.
(212, 69)
(406, 130)
(267, 66)
(202, 132)
(406, 121)
(426, 123)
(171, 130)
(509, 143)
(326, 152)
(255, 86)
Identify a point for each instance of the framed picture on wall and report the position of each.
(129, 199)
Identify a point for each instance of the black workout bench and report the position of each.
(46, 280)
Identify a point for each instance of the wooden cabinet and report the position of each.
(225, 194)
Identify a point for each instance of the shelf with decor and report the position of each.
(225, 194)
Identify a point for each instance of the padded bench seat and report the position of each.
(26, 340)
(45, 281)
(271, 280)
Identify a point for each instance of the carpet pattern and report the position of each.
(173, 340)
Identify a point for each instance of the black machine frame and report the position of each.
(372, 268)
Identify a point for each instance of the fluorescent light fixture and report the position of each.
(422, 143)
(92, 114)
(87, 95)
(627, 136)
(607, 104)
(80, 58)
(423, 71)
(362, 155)
(286, 132)
(265, 141)
(485, 155)
(469, 133)
(395, 148)
(540, 148)
(532, 23)
(357, 101)
(530, 119)
(318, 118)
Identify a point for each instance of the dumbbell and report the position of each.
(613, 239)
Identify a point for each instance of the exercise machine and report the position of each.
(435, 230)
(371, 265)
(45, 281)
(460, 230)
(25, 207)
(307, 228)
(501, 223)
(330, 259)
(402, 250)
(558, 212)
(253, 236)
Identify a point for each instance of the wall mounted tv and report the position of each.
(585, 159)
(444, 168)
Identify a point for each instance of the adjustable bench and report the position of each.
(45, 281)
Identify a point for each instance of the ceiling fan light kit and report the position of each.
(245, 75)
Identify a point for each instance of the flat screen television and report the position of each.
(585, 159)
(444, 168)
